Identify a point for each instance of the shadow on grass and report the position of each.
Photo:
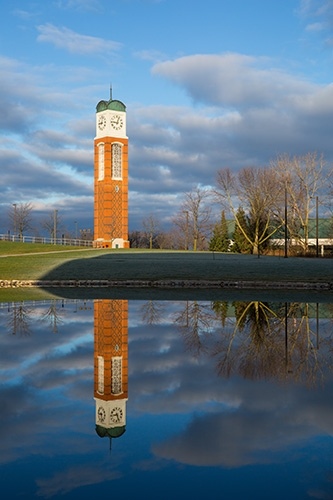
(126, 271)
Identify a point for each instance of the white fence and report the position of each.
(49, 241)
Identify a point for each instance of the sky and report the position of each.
(207, 85)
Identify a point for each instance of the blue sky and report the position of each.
(207, 85)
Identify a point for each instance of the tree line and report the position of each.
(255, 205)
(241, 213)
(20, 216)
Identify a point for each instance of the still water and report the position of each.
(159, 399)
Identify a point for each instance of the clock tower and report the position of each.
(110, 366)
(111, 176)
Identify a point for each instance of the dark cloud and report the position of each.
(245, 111)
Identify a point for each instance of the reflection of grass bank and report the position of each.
(126, 265)
(165, 294)
(23, 294)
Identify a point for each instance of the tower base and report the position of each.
(116, 243)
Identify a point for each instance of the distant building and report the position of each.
(321, 236)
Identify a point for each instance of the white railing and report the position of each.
(50, 241)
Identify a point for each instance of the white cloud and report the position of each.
(75, 43)
(232, 80)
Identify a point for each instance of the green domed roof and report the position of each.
(112, 432)
(112, 104)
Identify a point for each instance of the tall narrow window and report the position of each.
(100, 162)
(116, 385)
(100, 371)
(116, 161)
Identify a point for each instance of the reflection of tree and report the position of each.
(19, 322)
(194, 322)
(151, 312)
(220, 307)
(303, 356)
(53, 315)
(266, 341)
(249, 345)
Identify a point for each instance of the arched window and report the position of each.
(116, 375)
(100, 381)
(116, 154)
(101, 161)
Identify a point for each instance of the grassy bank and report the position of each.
(10, 248)
(63, 263)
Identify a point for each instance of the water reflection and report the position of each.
(223, 399)
(110, 366)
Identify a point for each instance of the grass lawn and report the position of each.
(51, 262)
(10, 248)
(65, 263)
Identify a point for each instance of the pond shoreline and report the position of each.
(171, 284)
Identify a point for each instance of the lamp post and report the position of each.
(75, 229)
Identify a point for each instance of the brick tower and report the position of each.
(111, 176)
(110, 366)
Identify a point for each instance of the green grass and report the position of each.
(63, 263)
(22, 261)
(10, 248)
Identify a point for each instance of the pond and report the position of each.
(166, 399)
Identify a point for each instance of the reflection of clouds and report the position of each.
(31, 419)
(253, 433)
(171, 380)
(258, 420)
(220, 422)
(239, 438)
(75, 477)
(152, 464)
(233, 439)
(53, 370)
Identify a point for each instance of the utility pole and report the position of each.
(15, 219)
(285, 223)
(55, 214)
(186, 230)
(317, 229)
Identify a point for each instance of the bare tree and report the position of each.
(152, 311)
(20, 217)
(151, 229)
(54, 316)
(195, 322)
(256, 190)
(53, 224)
(20, 320)
(193, 217)
(302, 179)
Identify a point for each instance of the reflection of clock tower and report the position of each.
(111, 176)
(110, 366)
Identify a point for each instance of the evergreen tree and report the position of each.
(225, 240)
(220, 240)
(220, 307)
(240, 243)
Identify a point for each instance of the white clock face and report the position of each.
(101, 122)
(116, 415)
(116, 122)
(101, 414)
